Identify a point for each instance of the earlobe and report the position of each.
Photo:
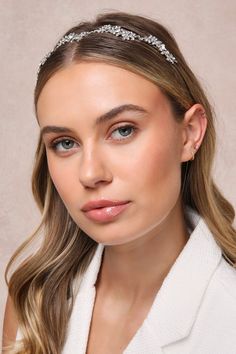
(194, 128)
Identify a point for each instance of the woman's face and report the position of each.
(132, 154)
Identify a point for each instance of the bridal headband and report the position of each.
(117, 31)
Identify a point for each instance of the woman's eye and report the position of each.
(124, 132)
(63, 145)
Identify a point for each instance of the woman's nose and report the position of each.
(93, 170)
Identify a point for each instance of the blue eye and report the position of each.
(63, 145)
(125, 131)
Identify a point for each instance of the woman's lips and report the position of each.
(106, 213)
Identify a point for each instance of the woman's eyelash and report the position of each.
(125, 127)
(69, 143)
(55, 144)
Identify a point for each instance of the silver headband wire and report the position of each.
(117, 31)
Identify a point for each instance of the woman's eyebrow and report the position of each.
(54, 129)
(101, 119)
(117, 110)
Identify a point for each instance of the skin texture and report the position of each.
(104, 162)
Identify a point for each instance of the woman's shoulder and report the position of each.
(218, 304)
(224, 281)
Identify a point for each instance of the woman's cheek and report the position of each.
(62, 175)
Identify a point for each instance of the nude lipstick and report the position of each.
(104, 210)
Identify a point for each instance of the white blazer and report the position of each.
(194, 312)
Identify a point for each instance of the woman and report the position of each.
(139, 250)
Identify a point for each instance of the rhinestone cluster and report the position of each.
(117, 31)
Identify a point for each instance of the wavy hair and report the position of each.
(42, 287)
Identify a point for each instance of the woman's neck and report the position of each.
(137, 269)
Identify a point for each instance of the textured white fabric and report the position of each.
(194, 312)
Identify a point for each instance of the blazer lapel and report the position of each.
(176, 305)
(81, 316)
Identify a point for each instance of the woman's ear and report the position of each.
(194, 128)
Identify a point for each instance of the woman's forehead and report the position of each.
(88, 77)
(92, 89)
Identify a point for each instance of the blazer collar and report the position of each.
(176, 304)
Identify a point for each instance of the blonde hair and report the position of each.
(42, 287)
